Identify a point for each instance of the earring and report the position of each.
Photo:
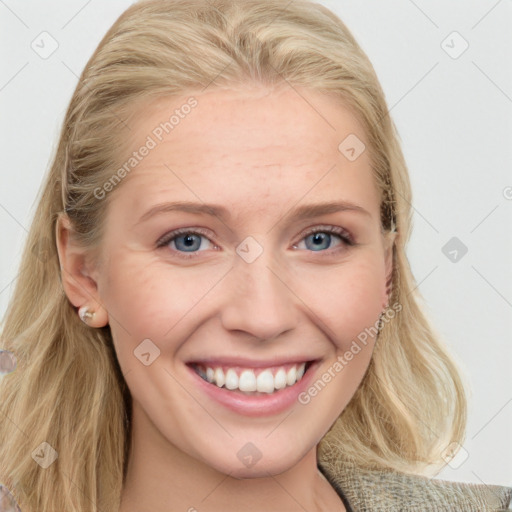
(84, 314)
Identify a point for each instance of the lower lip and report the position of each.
(256, 405)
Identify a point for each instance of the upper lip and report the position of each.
(251, 363)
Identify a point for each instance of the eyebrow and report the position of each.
(299, 213)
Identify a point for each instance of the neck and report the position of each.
(161, 478)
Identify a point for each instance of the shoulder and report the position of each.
(390, 491)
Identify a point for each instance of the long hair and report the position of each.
(68, 397)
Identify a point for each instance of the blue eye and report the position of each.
(188, 242)
(184, 240)
(320, 238)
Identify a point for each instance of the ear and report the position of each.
(389, 243)
(76, 269)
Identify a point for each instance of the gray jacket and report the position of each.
(364, 490)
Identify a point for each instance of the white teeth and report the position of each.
(247, 381)
(280, 379)
(291, 376)
(265, 382)
(218, 377)
(231, 379)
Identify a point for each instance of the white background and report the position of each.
(453, 116)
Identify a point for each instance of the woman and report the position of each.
(221, 317)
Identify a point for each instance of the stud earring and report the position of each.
(84, 314)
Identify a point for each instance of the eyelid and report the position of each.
(165, 239)
(328, 228)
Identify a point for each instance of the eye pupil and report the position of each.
(320, 240)
(188, 241)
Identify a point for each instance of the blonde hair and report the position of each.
(68, 389)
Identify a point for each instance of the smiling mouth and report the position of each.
(253, 381)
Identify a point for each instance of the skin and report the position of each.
(260, 153)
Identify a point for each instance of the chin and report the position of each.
(259, 470)
(251, 463)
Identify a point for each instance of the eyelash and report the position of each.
(344, 235)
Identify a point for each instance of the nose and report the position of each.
(258, 299)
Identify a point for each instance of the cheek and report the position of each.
(346, 300)
(148, 298)
(133, 298)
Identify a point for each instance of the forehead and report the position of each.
(252, 146)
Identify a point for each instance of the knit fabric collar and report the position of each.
(368, 490)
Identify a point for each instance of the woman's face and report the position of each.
(257, 285)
